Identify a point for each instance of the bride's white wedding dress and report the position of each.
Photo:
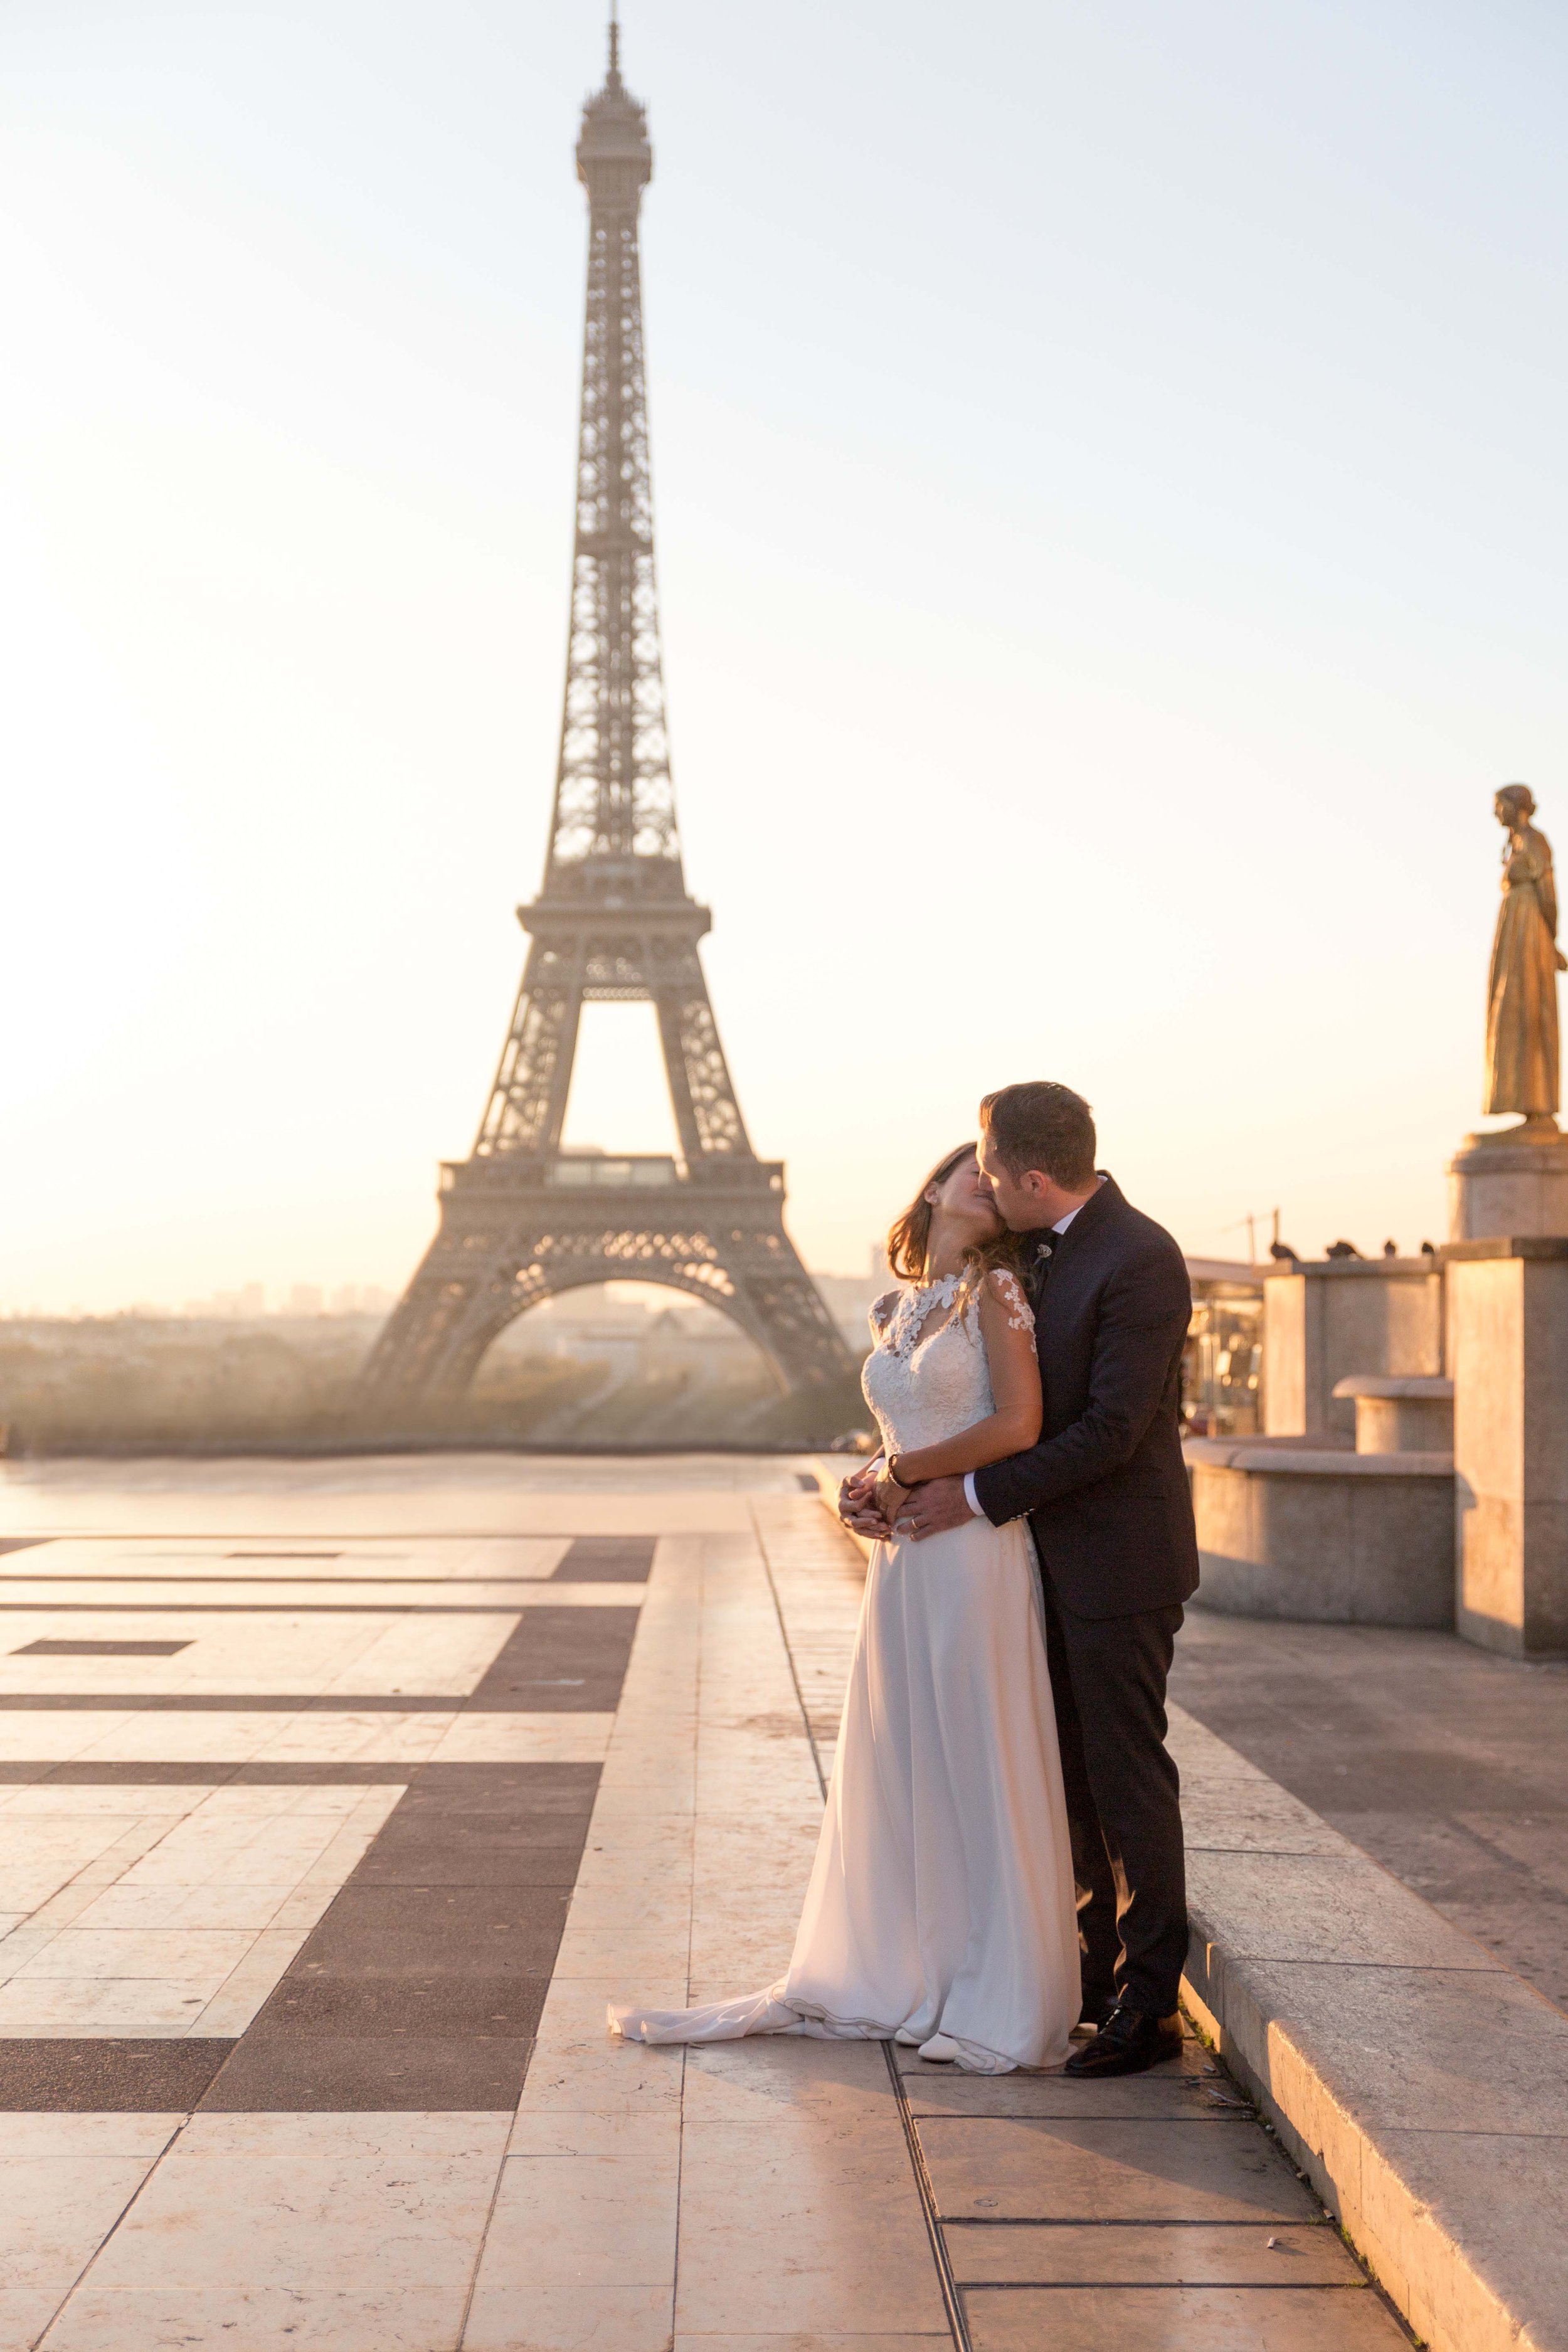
(941, 1910)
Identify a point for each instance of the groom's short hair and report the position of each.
(1040, 1125)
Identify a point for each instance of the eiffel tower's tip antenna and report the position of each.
(615, 39)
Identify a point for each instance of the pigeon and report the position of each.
(1282, 1250)
(1341, 1249)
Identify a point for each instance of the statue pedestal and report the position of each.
(1515, 1182)
(1508, 1351)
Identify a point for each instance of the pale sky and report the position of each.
(1111, 525)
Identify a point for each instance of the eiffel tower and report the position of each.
(524, 1219)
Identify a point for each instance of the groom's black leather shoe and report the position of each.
(1128, 2043)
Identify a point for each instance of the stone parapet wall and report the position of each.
(1297, 1531)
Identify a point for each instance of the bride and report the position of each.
(941, 1910)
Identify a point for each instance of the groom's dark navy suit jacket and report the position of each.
(1106, 1487)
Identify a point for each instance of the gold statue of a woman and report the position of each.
(1522, 1054)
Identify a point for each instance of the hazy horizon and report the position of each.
(1110, 518)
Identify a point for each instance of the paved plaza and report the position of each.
(1446, 1763)
(339, 1798)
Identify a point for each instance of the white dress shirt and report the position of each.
(969, 1493)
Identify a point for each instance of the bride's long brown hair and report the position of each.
(909, 1236)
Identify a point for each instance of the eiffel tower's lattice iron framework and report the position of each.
(521, 1219)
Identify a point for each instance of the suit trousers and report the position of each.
(1123, 1801)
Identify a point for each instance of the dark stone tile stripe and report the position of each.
(573, 1661)
(606, 1560)
(101, 1649)
(109, 2077)
(421, 1986)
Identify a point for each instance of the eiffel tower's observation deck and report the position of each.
(523, 1219)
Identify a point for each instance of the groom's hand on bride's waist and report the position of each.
(933, 1508)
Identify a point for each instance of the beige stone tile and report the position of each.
(242, 1992)
(1128, 2253)
(623, 1809)
(606, 2219)
(202, 1954)
(207, 1851)
(638, 1909)
(537, 2319)
(447, 2146)
(347, 1847)
(56, 2211)
(131, 1801)
(637, 1956)
(121, 1907)
(137, 2006)
(54, 1736)
(43, 1853)
(629, 1859)
(1181, 2091)
(1029, 2169)
(30, 2136)
(758, 1850)
(791, 2225)
(25, 2313)
(1182, 2319)
(532, 1556)
(307, 1738)
(412, 2316)
(579, 2066)
(578, 1596)
(744, 1961)
(662, 1777)
(429, 1655)
(524, 1739)
(753, 2081)
(348, 2209)
(538, 2133)
(799, 2341)
(348, 1738)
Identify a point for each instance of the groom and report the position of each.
(1106, 1494)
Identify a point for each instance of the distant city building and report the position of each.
(305, 1298)
(847, 1298)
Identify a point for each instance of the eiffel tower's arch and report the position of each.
(563, 1282)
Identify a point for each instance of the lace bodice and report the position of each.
(925, 1388)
